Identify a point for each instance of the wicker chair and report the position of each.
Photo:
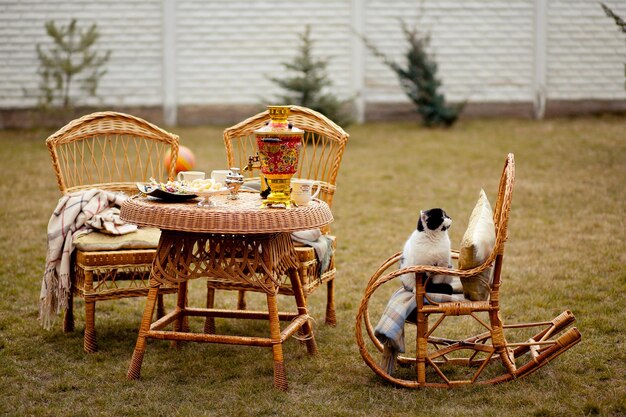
(320, 159)
(486, 358)
(110, 151)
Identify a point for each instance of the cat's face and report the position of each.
(434, 220)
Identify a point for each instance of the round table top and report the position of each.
(242, 216)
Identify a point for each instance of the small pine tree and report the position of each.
(70, 58)
(419, 79)
(306, 87)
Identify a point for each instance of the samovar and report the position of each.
(279, 146)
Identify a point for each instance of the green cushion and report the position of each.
(476, 246)
(143, 238)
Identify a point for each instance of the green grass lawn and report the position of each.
(566, 250)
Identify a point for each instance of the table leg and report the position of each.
(307, 329)
(280, 375)
(134, 370)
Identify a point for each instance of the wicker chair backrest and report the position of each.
(111, 151)
(320, 156)
(501, 214)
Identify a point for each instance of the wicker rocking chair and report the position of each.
(486, 358)
(110, 151)
(320, 159)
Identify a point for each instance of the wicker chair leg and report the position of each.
(209, 322)
(181, 303)
(241, 300)
(499, 342)
(421, 348)
(68, 318)
(280, 375)
(307, 328)
(134, 369)
(182, 322)
(331, 318)
(160, 306)
(90, 345)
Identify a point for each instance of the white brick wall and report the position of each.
(586, 52)
(484, 49)
(130, 29)
(226, 49)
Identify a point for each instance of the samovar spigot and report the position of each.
(254, 162)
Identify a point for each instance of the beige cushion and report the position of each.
(476, 246)
(143, 238)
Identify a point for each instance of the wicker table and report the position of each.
(235, 240)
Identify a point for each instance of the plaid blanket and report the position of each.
(322, 245)
(77, 213)
(390, 328)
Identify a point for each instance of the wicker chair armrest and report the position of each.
(424, 269)
(435, 270)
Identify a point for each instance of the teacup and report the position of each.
(219, 175)
(302, 190)
(189, 176)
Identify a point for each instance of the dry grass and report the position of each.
(566, 251)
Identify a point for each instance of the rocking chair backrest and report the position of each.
(111, 151)
(501, 216)
(320, 156)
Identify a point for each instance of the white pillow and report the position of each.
(476, 246)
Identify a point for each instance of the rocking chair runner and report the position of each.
(434, 355)
(110, 151)
(323, 145)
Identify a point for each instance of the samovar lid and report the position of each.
(278, 122)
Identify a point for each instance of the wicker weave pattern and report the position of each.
(257, 260)
(109, 151)
(113, 279)
(229, 216)
(435, 353)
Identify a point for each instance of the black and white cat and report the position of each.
(429, 244)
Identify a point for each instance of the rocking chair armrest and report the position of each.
(381, 275)
(436, 270)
